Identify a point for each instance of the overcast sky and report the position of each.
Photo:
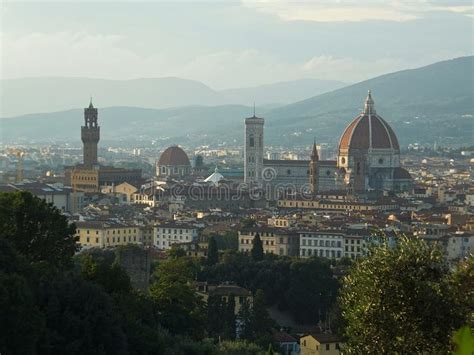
(228, 44)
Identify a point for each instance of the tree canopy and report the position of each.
(401, 300)
(37, 229)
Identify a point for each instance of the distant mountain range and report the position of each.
(432, 103)
(38, 95)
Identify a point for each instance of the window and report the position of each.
(251, 140)
(328, 346)
(288, 172)
(380, 161)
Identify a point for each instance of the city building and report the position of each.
(276, 241)
(166, 235)
(173, 163)
(368, 158)
(328, 244)
(369, 154)
(355, 246)
(63, 198)
(458, 245)
(320, 344)
(107, 234)
(90, 175)
(329, 205)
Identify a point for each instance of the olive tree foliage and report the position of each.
(401, 299)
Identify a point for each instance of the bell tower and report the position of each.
(90, 135)
(253, 149)
(314, 170)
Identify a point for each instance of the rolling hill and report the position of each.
(428, 103)
(37, 95)
(432, 103)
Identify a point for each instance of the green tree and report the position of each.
(111, 276)
(257, 248)
(261, 323)
(462, 280)
(229, 240)
(244, 320)
(212, 252)
(230, 319)
(21, 321)
(37, 229)
(312, 289)
(176, 252)
(180, 310)
(399, 300)
(79, 318)
(239, 348)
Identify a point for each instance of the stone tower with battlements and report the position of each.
(90, 135)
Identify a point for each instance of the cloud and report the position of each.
(355, 11)
(74, 53)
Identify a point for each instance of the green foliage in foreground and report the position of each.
(403, 300)
(48, 307)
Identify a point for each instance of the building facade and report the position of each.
(107, 234)
(320, 344)
(327, 244)
(276, 241)
(368, 158)
(166, 235)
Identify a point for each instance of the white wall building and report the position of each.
(165, 235)
(459, 245)
(327, 244)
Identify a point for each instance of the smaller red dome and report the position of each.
(173, 156)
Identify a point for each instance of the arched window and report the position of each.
(251, 140)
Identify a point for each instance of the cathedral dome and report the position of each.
(173, 156)
(368, 131)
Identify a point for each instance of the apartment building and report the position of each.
(325, 243)
(107, 234)
(278, 241)
(165, 235)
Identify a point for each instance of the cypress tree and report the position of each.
(257, 248)
(212, 252)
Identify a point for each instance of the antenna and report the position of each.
(254, 109)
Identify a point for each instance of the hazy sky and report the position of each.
(231, 43)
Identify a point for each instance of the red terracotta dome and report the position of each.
(173, 156)
(369, 130)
